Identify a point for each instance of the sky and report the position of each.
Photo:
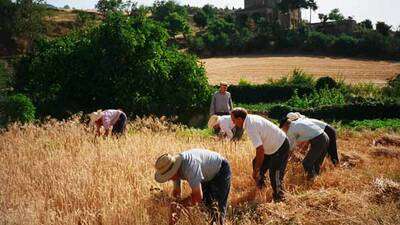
(375, 10)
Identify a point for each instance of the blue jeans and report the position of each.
(217, 190)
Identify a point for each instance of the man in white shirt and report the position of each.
(272, 149)
(304, 130)
(328, 129)
(225, 126)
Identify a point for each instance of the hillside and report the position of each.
(57, 173)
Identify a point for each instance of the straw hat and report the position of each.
(292, 116)
(94, 116)
(214, 120)
(166, 167)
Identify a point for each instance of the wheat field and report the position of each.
(58, 173)
(260, 68)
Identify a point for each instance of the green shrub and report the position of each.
(318, 41)
(325, 83)
(4, 77)
(296, 78)
(346, 112)
(16, 108)
(373, 43)
(366, 90)
(392, 89)
(345, 45)
(391, 124)
(122, 63)
(318, 98)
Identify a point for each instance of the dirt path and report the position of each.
(260, 68)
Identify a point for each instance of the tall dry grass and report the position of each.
(58, 173)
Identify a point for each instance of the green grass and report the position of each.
(378, 124)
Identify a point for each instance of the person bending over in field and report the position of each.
(329, 130)
(111, 119)
(208, 175)
(305, 132)
(272, 149)
(225, 126)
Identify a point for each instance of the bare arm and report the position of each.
(259, 161)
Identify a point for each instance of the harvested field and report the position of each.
(260, 68)
(57, 173)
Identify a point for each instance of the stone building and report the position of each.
(269, 9)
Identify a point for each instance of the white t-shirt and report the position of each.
(302, 130)
(226, 125)
(319, 123)
(263, 132)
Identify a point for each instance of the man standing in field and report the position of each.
(208, 175)
(272, 149)
(113, 120)
(221, 103)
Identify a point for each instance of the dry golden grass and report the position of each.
(58, 173)
(260, 68)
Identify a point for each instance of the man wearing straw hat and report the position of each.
(272, 149)
(111, 118)
(208, 175)
(221, 103)
(225, 126)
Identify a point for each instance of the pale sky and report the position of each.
(375, 10)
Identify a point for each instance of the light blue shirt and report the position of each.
(303, 130)
(199, 165)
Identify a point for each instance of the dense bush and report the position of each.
(318, 98)
(369, 110)
(345, 45)
(393, 88)
(325, 82)
(318, 41)
(124, 63)
(16, 108)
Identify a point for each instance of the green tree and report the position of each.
(288, 5)
(66, 7)
(104, 6)
(383, 28)
(16, 108)
(335, 15)
(162, 9)
(22, 22)
(176, 24)
(206, 14)
(124, 62)
(367, 24)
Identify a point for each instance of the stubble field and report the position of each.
(57, 173)
(260, 68)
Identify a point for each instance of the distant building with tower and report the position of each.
(269, 9)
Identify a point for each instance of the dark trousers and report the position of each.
(332, 147)
(315, 156)
(217, 191)
(276, 163)
(119, 126)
